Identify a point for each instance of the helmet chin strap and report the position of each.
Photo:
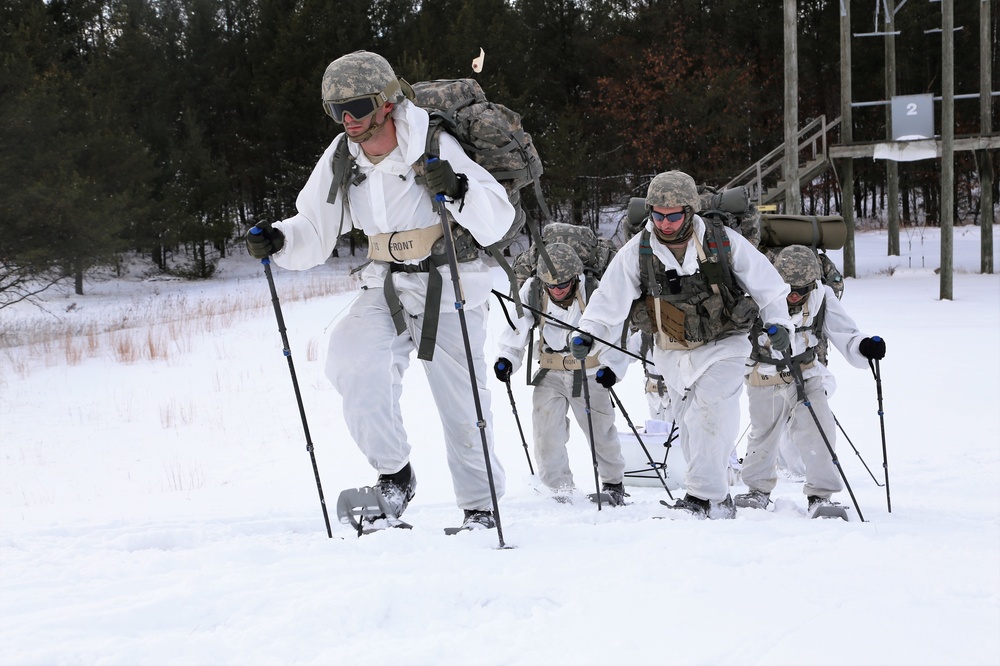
(374, 129)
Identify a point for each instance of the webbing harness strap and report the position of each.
(808, 356)
(432, 304)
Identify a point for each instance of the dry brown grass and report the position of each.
(153, 330)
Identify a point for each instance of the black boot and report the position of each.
(616, 491)
(397, 489)
(478, 520)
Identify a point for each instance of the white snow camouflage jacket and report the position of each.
(621, 284)
(838, 327)
(390, 200)
(512, 342)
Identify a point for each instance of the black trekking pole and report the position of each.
(653, 465)
(590, 428)
(449, 246)
(524, 442)
(259, 228)
(844, 433)
(800, 387)
(881, 417)
(563, 325)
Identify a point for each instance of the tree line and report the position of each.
(168, 127)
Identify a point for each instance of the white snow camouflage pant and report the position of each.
(708, 423)
(775, 412)
(551, 399)
(366, 362)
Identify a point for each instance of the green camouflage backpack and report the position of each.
(489, 133)
(595, 253)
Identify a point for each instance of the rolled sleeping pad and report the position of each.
(635, 218)
(823, 232)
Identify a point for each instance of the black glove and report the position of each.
(442, 179)
(606, 377)
(779, 337)
(264, 240)
(872, 348)
(580, 344)
(502, 368)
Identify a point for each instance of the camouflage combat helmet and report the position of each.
(673, 188)
(359, 75)
(566, 262)
(668, 190)
(798, 266)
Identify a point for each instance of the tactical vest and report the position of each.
(686, 311)
(815, 351)
(538, 301)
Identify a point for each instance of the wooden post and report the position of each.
(891, 166)
(983, 157)
(947, 147)
(793, 189)
(846, 137)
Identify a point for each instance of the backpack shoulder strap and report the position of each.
(647, 273)
(718, 243)
(432, 147)
(345, 173)
(820, 319)
(345, 170)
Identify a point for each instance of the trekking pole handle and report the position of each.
(438, 196)
(257, 230)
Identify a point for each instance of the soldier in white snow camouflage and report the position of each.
(371, 345)
(562, 295)
(775, 411)
(699, 351)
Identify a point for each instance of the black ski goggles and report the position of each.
(669, 217)
(801, 292)
(359, 107)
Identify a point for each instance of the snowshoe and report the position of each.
(755, 499)
(366, 510)
(701, 508)
(612, 494)
(824, 507)
(474, 520)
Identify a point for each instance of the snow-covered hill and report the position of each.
(158, 505)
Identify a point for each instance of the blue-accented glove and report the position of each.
(872, 348)
(502, 369)
(606, 377)
(263, 240)
(580, 345)
(778, 335)
(442, 179)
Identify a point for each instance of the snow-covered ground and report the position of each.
(158, 504)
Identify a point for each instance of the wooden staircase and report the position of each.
(765, 180)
